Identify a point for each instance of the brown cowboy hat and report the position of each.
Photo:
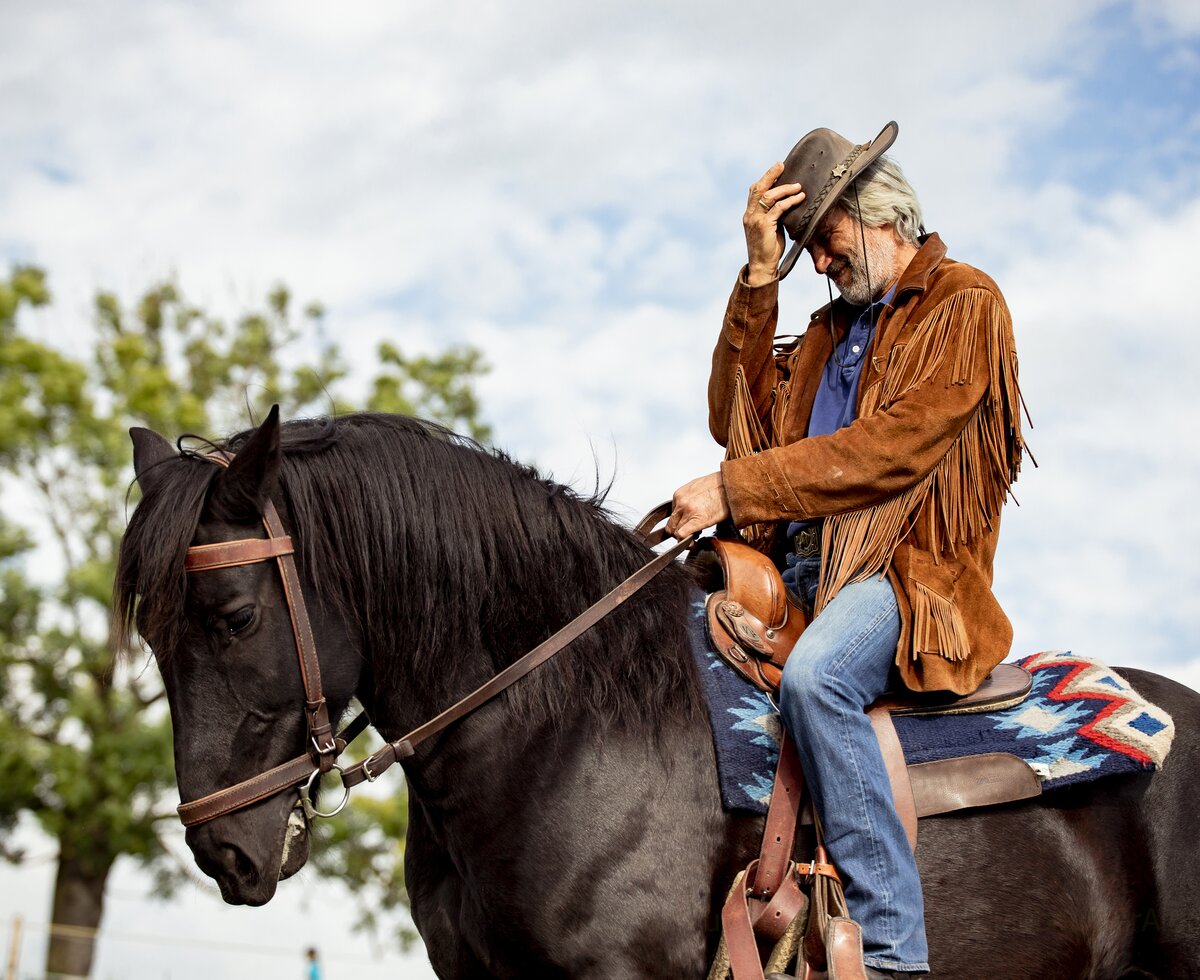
(826, 160)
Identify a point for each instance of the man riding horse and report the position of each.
(871, 457)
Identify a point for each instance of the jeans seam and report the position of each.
(881, 964)
(885, 892)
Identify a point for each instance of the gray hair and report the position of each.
(885, 197)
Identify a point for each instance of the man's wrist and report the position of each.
(760, 275)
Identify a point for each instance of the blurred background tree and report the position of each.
(85, 742)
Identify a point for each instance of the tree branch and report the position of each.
(144, 701)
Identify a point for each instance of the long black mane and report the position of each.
(435, 549)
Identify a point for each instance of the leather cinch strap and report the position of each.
(324, 748)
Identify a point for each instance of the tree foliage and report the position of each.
(84, 744)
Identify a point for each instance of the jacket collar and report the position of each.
(915, 277)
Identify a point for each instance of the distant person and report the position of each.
(314, 964)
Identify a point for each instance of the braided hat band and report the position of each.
(834, 176)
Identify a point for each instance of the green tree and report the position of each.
(84, 737)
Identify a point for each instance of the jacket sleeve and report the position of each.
(889, 450)
(746, 341)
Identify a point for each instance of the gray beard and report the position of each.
(880, 263)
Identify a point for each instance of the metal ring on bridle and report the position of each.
(311, 811)
(762, 203)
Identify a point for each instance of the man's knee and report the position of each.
(809, 680)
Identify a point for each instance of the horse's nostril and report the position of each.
(226, 863)
(237, 864)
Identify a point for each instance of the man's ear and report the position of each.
(241, 491)
(149, 451)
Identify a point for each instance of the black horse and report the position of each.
(573, 826)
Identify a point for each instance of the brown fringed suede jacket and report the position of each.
(914, 486)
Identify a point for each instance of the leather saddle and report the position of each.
(753, 621)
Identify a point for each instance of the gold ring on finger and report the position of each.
(764, 204)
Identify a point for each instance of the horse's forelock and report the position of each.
(150, 584)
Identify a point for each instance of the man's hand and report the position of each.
(697, 505)
(764, 238)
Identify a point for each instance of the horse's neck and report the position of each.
(472, 630)
(483, 623)
(491, 766)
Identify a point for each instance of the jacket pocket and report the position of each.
(931, 587)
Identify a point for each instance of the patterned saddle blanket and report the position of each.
(1080, 722)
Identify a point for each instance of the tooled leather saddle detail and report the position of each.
(753, 621)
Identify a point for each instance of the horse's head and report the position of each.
(224, 641)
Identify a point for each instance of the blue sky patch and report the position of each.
(1135, 117)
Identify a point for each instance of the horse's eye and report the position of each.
(238, 621)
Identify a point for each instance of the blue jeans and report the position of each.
(841, 664)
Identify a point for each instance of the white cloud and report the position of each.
(1186, 673)
(565, 192)
(1108, 524)
(418, 150)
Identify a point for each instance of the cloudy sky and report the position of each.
(562, 184)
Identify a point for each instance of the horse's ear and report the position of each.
(241, 491)
(149, 450)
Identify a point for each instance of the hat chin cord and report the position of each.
(866, 271)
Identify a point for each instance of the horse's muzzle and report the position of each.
(248, 853)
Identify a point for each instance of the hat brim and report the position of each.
(875, 149)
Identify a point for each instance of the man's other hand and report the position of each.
(697, 505)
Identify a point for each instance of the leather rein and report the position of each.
(323, 746)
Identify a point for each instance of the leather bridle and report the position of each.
(323, 747)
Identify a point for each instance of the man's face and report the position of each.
(836, 248)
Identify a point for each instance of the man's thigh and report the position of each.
(852, 642)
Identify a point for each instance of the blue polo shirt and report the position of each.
(836, 401)
(837, 394)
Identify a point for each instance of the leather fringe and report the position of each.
(746, 433)
(962, 496)
(747, 436)
(937, 624)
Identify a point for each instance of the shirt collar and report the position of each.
(858, 312)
